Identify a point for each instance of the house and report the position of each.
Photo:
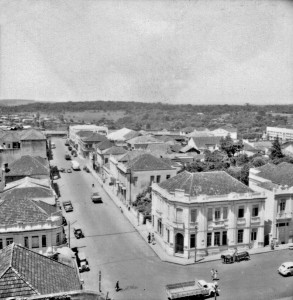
(87, 144)
(276, 181)
(203, 143)
(206, 213)
(249, 150)
(287, 148)
(284, 134)
(25, 273)
(137, 174)
(30, 188)
(122, 135)
(141, 142)
(32, 224)
(27, 166)
(16, 143)
(73, 130)
(225, 131)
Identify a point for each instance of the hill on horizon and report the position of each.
(15, 102)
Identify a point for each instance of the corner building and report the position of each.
(206, 213)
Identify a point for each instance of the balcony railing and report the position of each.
(219, 224)
(178, 225)
(241, 221)
(255, 220)
(284, 216)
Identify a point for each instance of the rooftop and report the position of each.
(115, 150)
(24, 273)
(281, 174)
(29, 165)
(32, 135)
(94, 137)
(205, 183)
(203, 141)
(145, 139)
(105, 145)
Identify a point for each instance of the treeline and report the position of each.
(59, 107)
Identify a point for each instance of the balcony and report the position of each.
(255, 220)
(219, 224)
(241, 222)
(178, 225)
(284, 216)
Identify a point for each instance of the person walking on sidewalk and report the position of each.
(212, 273)
(93, 185)
(149, 238)
(117, 287)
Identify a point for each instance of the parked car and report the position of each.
(64, 222)
(67, 157)
(78, 232)
(290, 246)
(67, 205)
(286, 268)
(83, 263)
(69, 171)
(69, 148)
(62, 170)
(96, 198)
(85, 168)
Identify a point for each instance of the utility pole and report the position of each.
(69, 234)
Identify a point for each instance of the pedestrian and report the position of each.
(149, 238)
(272, 245)
(216, 278)
(117, 287)
(121, 209)
(153, 239)
(212, 273)
(93, 185)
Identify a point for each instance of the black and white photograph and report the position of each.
(146, 149)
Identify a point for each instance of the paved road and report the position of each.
(117, 250)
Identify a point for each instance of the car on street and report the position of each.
(85, 168)
(67, 157)
(69, 171)
(290, 246)
(62, 170)
(83, 264)
(286, 268)
(78, 232)
(96, 197)
(67, 205)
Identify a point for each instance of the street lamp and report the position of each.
(195, 242)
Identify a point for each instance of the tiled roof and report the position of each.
(94, 137)
(158, 149)
(229, 128)
(115, 150)
(32, 135)
(281, 174)
(148, 162)
(84, 133)
(11, 136)
(188, 148)
(118, 135)
(248, 147)
(24, 273)
(203, 141)
(21, 210)
(145, 139)
(205, 183)
(28, 193)
(129, 155)
(28, 165)
(105, 145)
(200, 134)
(130, 135)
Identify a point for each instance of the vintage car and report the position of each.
(96, 197)
(67, 205)
(78, 232)
(286, 268)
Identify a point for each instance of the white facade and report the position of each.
(206, 225)
(223, 133)
(42, 237)
(284, 134)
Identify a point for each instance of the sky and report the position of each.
(176, 52)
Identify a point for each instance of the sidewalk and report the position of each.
(143, 230)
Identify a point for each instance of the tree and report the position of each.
(258, 162)
(244, 174)
(229, 146)
(276, 150)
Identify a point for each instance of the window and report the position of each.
(44, 241)
(168, 176)
(152, 179)
(35, 242)
(209, 239)
(168, 235)
(26, 245)
(241, 212)
(179, 213)
(253, 235)
(193, 214)
(58, 239)
(1, 244)
(224, 238)
(240, 236)
(158, 179)
(9, 241)
(282, 205)
(217, 236)
(225, 213)
(255, 211)
(160, 231)
(217, 213)
(134, 181)
(210, 214)
(192, 240)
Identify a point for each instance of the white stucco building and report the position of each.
(205, 213)
(284, 134)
